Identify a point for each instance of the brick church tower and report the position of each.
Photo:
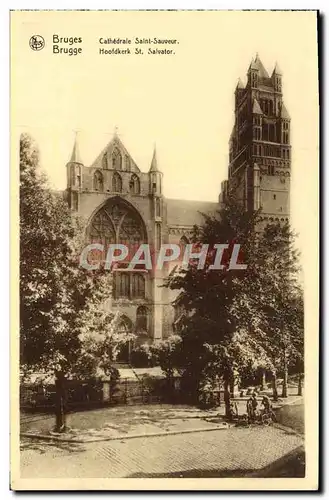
(259, 146)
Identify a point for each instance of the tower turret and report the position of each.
(253, 74)
(277, 78)
(155, 176)
(74, 176)
(239, 91)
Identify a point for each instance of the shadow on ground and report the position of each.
(291, 465)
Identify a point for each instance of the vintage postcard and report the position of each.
(164, 258)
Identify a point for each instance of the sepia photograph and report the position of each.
(164, 229)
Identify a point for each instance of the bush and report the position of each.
(140, 357)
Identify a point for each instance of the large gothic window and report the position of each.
(134, 184)
(116, 159)
(119, 222)
(98, 181)
(116, 183)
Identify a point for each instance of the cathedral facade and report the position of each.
(122, 204)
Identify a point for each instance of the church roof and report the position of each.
(256, 108)
(75, 156)
(188, 212)
(284, 112)
(114, 142)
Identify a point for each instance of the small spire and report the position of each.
(154, 163)
(116, 130)
(252, 65)
(75, 156)
(277, 70)
(284, 112)
(239, 85)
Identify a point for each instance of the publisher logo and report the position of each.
(37, 42)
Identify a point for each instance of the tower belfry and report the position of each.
(259, 146)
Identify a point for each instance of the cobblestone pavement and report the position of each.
(223, 453)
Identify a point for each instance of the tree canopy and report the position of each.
(235, 318)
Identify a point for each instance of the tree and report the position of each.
(165, 353)
(59, 300)
(235, 319)
(281, 301)
(210, 342)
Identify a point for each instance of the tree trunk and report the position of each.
(231, 385)
(263, 382)
(274, 387)
(227, 399)
(60, 402)
(285, 376)
(234, 383)
(300, 387)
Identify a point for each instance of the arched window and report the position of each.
(129, 285)
(116, 183)
(158, 235)
(116, 159)
(124, 328)
(182, 244)
(184, 240)
(127, 163)
(271, 169)
(75, 201)
(122, 285)
(158, 207)
(137, 286)
(134, 184)
(98, 181)
(118, 222)
(104, 162)
(141, 319)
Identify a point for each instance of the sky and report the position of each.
(183, 102)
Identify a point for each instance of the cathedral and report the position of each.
(122, 204)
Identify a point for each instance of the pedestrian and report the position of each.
(250, 411)
(267, 405)
(252, 407)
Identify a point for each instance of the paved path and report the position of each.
(224, 453)
(292, 416)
